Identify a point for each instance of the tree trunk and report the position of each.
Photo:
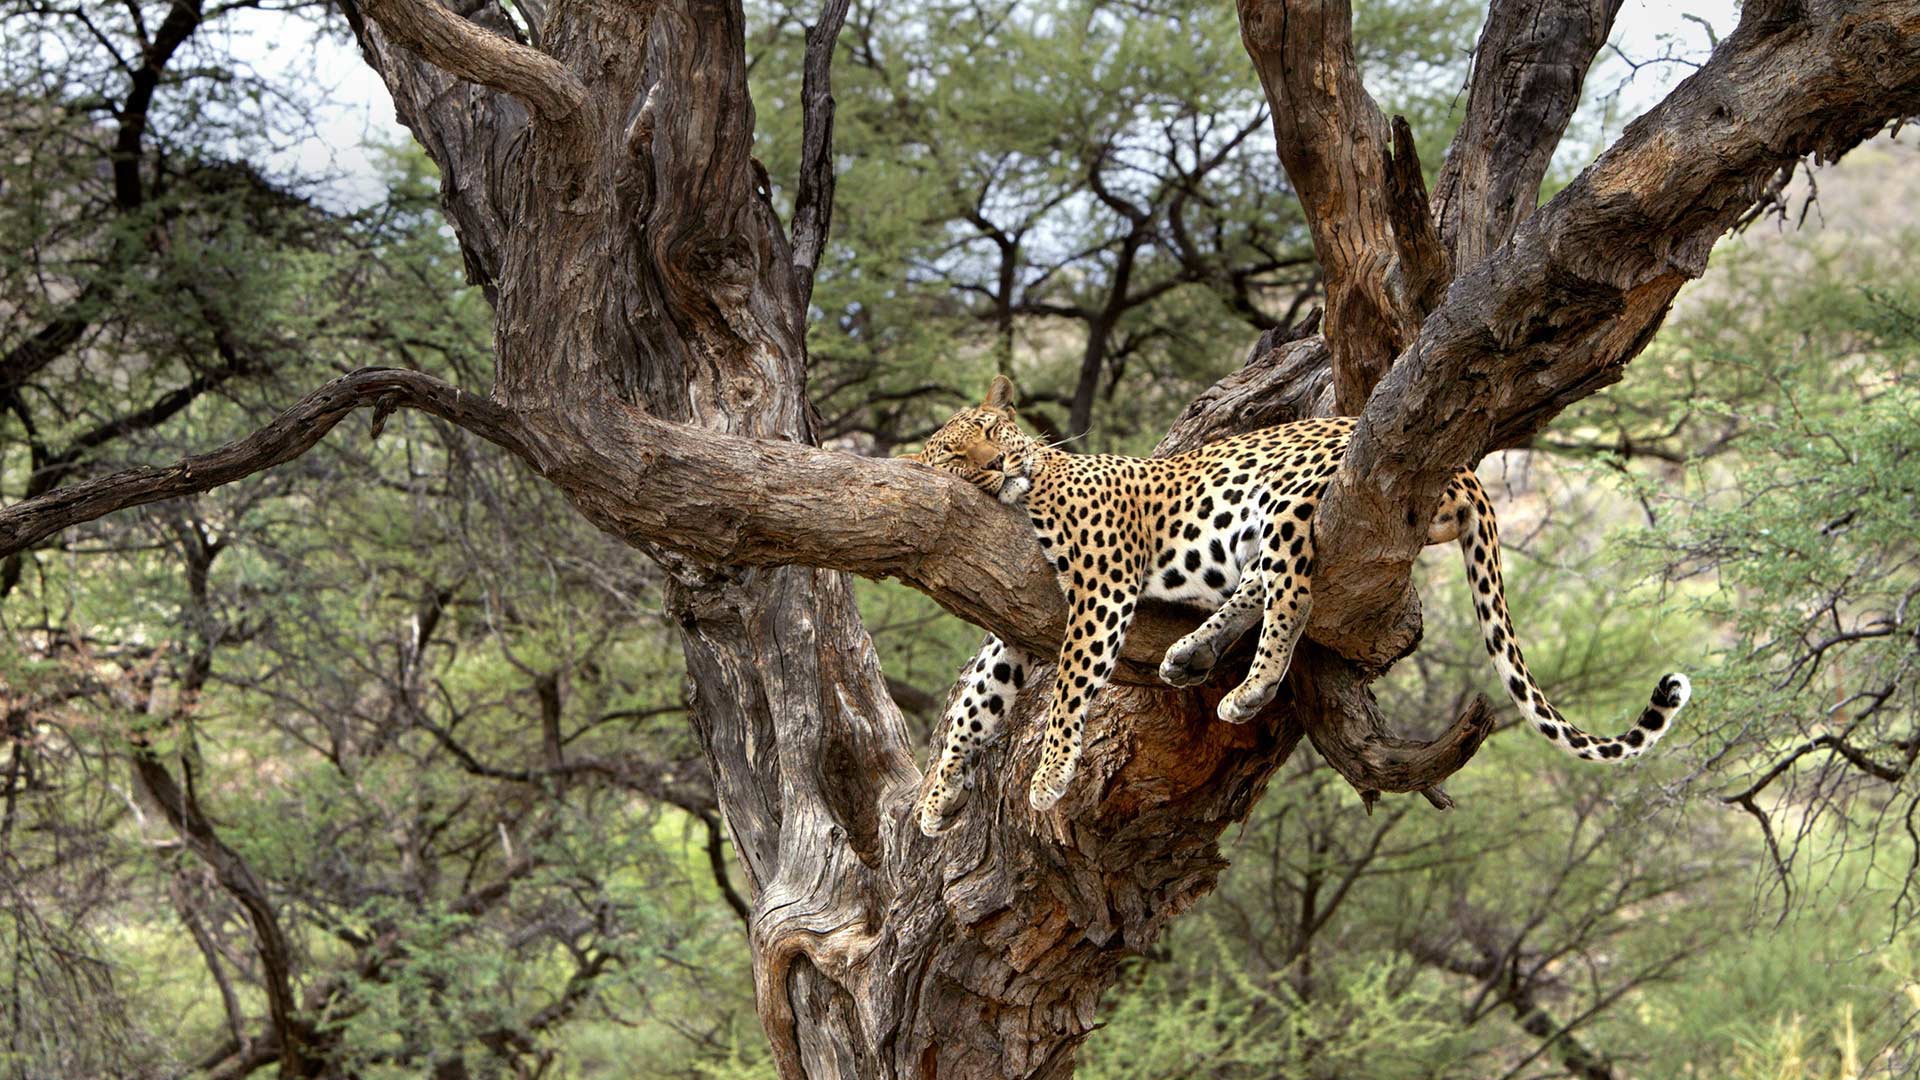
(651, 363)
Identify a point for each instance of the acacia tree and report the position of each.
(650, 311)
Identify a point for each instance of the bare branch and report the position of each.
(1835, 743)
(1352, 736)
(464, 49)
(291, 434)
(813, 202)
(1424, 268)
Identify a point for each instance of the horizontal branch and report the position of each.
(725, 500)
(678, 490)
(291, 434)
(461, 48)
(1839, 746)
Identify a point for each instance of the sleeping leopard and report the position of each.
(1228, 528)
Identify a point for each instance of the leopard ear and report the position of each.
(1000, 394)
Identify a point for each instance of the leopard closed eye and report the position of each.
(1228, 527)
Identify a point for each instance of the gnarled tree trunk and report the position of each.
(651, 363)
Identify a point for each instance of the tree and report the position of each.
(649, 344)
(159, 284)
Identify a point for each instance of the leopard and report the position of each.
(1227, 528)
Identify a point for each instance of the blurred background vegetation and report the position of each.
(261, 741)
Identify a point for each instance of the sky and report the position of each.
(1655, 45)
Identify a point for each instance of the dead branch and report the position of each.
(1424, 267)
(813, 202)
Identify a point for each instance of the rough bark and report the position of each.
(1527, 72)
(651, 364)
(1584, 283)
(1333, 142)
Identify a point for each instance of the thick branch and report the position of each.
(1333, 141)
(1584, 284)
(1527, 73)
(464, 49)
(1287, 377)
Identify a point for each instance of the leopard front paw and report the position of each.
(1245, 702)
(940, 809)
(1188, 662)
(1049, 784)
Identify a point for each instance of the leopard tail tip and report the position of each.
(1677, 688)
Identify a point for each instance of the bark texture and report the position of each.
(651, 364)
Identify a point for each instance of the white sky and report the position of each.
(356, 113)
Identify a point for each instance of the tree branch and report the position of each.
(1424, 267)
(291, 434)
(813, 202)
(1333, 141)
(209, 952)
(1527, 72)
(1584, 284)
(1353, 738)
(292, 1034)
(51, 341)
(466, 130)
(464, 49)
(717, 864)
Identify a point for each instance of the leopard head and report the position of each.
(985, 447)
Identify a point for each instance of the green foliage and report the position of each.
(1211, 1015)
(1081, 193)
(1793, 533)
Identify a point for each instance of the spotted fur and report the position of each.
(1229, 528)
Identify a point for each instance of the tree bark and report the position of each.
(651, 363)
